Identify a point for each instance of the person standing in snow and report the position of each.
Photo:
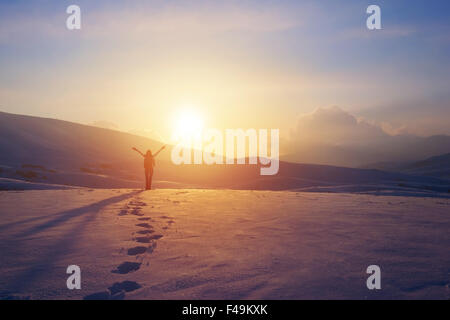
(149, 163)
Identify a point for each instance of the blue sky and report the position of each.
(275, 59)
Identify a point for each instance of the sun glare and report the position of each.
(187, 125)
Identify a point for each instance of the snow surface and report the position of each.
(222, 244)
(15, 184)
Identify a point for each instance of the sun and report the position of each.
(188, 124)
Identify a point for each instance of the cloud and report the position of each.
(334, 126)
(139, 22)
(151, 134)
(336, 137)
(393, 130)
(105, 125)
(387, 32)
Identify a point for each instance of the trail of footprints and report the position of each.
(146, 237)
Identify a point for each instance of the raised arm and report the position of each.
(138, 151)
(162, 148)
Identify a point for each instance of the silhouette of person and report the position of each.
(149, 163)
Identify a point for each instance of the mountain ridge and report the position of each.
(45, 150)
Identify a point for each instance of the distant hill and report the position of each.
(438, 166)
(49, 151)
(61, 144)
(332, 136)
(392, 149)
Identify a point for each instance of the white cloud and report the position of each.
(334, 126)
(333, 136)
(385, 32)
(131, 22)
(105, 125)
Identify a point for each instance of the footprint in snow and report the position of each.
(148, 239)
(144, 225)
(136, 250)
(127, 267)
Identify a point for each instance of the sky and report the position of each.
(135, 65)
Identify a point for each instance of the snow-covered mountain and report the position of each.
(49, 151)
